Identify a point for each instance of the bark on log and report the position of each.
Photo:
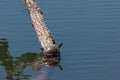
(47, 42)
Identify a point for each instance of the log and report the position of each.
(43, 33)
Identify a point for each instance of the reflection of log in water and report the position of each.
(49, 48)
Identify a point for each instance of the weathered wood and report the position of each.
(47, 42)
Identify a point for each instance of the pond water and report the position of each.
(89, 29)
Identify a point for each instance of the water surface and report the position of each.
(89, 29)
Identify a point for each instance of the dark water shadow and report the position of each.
(15, 66)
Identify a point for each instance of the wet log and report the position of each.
(43, 33)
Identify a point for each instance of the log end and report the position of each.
(52, 54)
(52, 50)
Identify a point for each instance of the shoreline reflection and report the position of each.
(15, 66)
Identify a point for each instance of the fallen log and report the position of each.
(49, 48)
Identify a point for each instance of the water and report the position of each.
(89, 30)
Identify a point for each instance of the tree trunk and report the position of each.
(47, 42)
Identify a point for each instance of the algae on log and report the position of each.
(43, 33)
